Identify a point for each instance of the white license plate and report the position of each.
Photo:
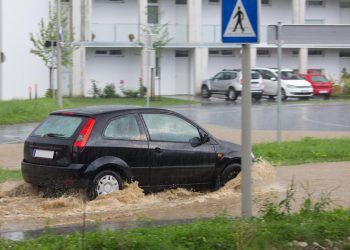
(38, 153)
(304, 91)
(323, 91)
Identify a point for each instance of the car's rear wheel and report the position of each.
(232, 94)
(230, 172)
(205, 92)
(105, 182)
(271, 97)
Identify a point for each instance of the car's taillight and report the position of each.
(84, 134)
(241, 81)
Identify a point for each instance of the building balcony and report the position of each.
(178, 33)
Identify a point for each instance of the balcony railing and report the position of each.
(120, 33)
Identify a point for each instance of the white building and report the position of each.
(104, 29)
(21, 70)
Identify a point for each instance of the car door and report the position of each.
(216, 82)
(124, 138)
(269, 81)
(174, 161)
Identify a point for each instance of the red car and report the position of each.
(321, 85)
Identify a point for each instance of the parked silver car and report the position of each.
(229, 82)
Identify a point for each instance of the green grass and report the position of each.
(219, 233)
(308, 150)
(10, 175)
(22, 111)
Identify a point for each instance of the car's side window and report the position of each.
(219, 76)
(123, 128)
(169, 128)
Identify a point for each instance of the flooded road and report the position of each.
(24, 207)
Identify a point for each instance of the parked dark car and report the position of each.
(100, 148)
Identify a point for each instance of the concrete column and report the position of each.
(81, 18)
(299, 18)
(200, 68)
(142, 22)
(194, 12)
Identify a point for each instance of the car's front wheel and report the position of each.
(283, 95)
(230, 172)
(105, 182)
(205, 92)
(257, 97)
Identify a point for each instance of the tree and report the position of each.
(161, 39)
(44, 45)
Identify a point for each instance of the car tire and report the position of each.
(205, 92)
(105, 182)
(327, 96)
(271, 97)
(283, 95)
(229, 173)
(232, 94)
(257, 98)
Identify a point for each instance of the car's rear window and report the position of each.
(288, 75)
(58, 126)
(319, 79)
(255, 75)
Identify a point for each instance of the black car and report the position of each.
(100, 148)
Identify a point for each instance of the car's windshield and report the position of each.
(319, 79)
(289, 75)
(58, 126)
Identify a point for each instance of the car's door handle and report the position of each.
(158, 150)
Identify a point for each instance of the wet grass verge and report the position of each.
(308, 150)
(10, 175)
(25, 111)
(271, 231)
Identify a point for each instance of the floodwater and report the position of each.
(24, 207)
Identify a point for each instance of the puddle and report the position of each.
(22, 206)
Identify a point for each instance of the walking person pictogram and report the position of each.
(240, 16)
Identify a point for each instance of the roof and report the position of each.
(102, 109)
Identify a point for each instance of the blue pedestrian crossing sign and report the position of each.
(240, 21)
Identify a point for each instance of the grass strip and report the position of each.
(10, 175)
(308, 150)
(24, 111)
(221, 233)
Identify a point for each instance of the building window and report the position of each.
(181, 53)
(179, 2)
(315, 52)
(153, 12)
(117, 1)
(112, 52)
(222, 52)
(295, 52)
(214, 1)
(344, 4)
(263, 52)
(116, 52)
(315, 3)
(314, 21)
(344, 53)
(266, 2)
(315, 71)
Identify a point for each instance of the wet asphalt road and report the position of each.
(322, 116)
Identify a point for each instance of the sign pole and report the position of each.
(246, 133)
(58, 41)
(279, 94)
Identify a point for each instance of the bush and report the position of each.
(109, 91)
(95, 91)
(48, 93)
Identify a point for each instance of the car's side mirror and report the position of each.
(273, 79)
(196, 141)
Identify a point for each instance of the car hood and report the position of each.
(299, 83)
(227, 147)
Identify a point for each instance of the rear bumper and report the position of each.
(322, 91)
(55, 177)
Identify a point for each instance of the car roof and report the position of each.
(103, 109)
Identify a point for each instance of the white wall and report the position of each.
(104, 11)
(21, 68)
(112, 69)
(168, 68)
(218, 63)
(329, 12)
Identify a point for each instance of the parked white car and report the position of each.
(229, 83)
(292, 85)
